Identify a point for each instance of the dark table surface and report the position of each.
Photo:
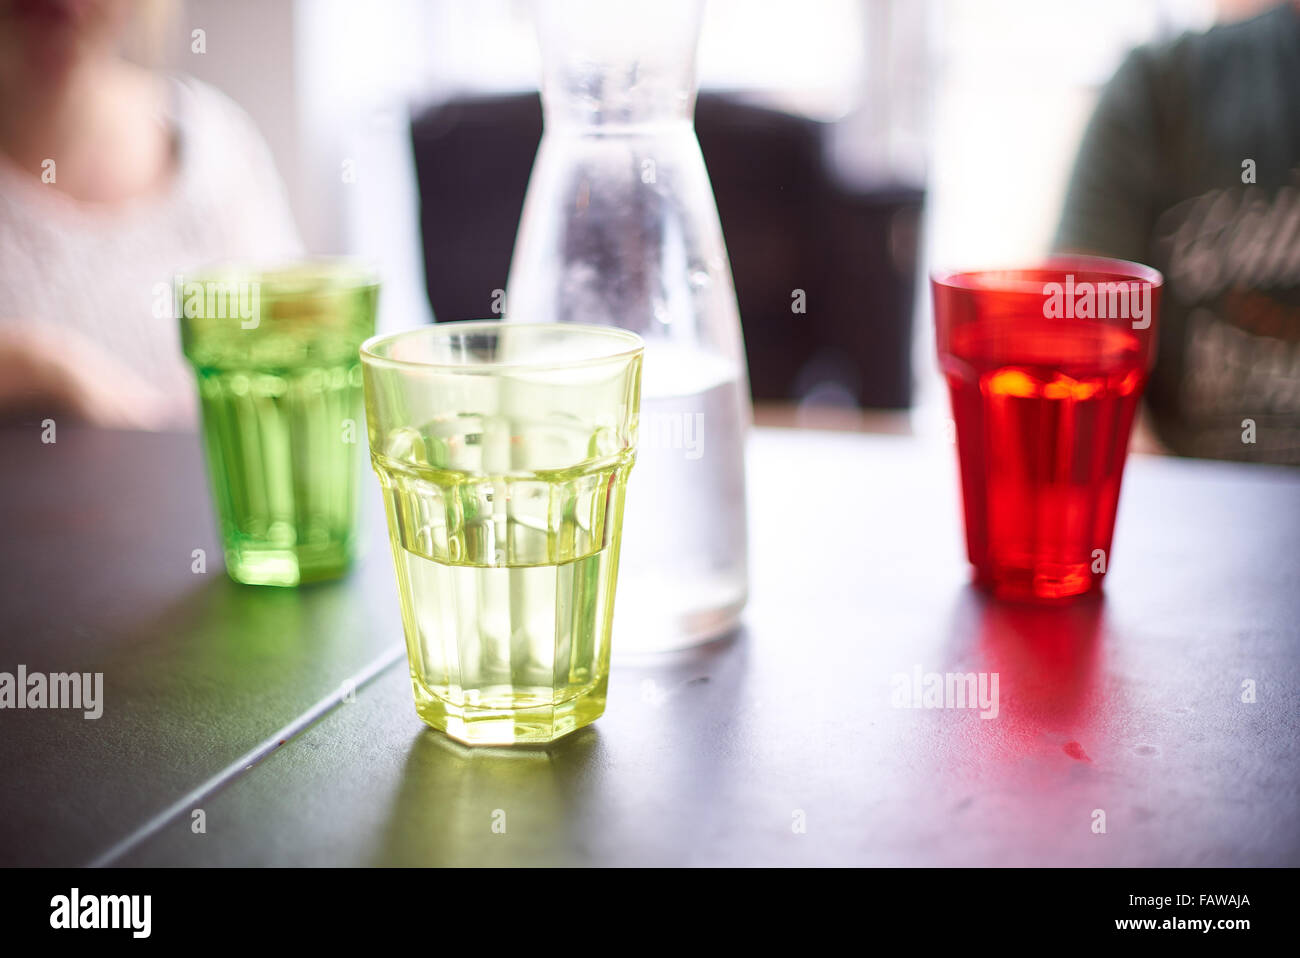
(285, 716)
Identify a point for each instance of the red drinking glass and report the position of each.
(1045, 367)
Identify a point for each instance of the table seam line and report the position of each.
(252, 758)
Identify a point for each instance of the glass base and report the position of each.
(668, 614)
(264, 565)
(526, 725)
(1044, 582)
(642, 638)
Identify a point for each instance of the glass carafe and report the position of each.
(620, 228)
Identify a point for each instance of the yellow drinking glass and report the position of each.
(503, 451)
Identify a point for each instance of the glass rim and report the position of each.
(341, 274)
(969, 280)
(633, 345)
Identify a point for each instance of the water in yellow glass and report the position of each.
(506, 578)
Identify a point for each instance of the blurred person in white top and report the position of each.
(113, 180)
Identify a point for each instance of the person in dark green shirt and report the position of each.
(1191, 164)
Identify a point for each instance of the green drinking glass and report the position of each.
(503, 451)
(276, 357)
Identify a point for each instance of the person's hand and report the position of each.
(67, 374)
